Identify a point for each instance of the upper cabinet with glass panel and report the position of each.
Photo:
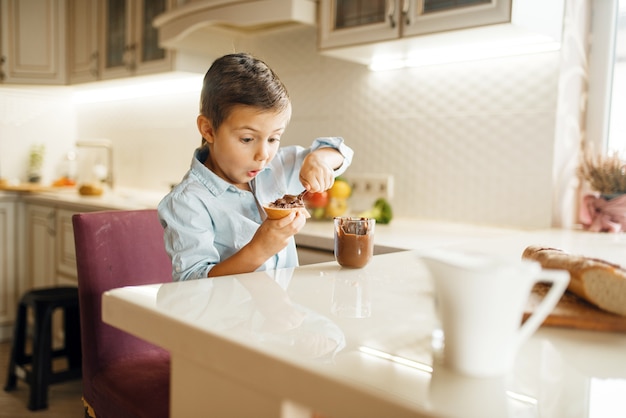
(115, 39)
(130, 42)
(350, 22)
(429, 16)
(367, 31)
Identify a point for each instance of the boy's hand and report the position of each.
(317, 173)
(273, 235)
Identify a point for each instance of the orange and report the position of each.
(340, 190)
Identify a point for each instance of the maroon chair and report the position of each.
(123, 376)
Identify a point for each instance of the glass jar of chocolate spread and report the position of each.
(354, 241)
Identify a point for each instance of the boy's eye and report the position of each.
(274, 139)
(247, 139)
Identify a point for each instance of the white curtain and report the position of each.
(571, 111)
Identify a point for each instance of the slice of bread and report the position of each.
(597, 281)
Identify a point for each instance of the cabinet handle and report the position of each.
(3, 59)
(391, 11)
(406, 7)
(51, 223)
(95, 62)
(129, 57)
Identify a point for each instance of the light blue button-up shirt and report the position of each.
(206, 219)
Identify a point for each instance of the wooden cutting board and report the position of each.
(574, 312)
(31, 187)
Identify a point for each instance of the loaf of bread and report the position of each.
(90, 190)
(597, 281)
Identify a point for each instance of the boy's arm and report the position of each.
(318, 169)
(272, 236)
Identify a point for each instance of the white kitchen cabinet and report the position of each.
(129, 44)
(83, 35)
(350, 22)
(75, 41)
(32, 42)
(39, 247)
(400, 33)
(430, 16)
(111, 39)
(8, 265)
(65, 252)
(36, 249)
(50, 252)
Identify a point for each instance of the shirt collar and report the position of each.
(214, 183)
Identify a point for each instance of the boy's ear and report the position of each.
(206, 128)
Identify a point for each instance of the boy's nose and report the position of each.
(262, 153)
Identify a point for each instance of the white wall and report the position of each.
(34, 116)
(470, 142)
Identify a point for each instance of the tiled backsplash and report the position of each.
(28, 116)
(469, 142)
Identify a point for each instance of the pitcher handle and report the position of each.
(559, 279)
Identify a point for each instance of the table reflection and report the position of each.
(255, 308)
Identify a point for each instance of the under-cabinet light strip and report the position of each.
(462, 53)
(134, 88)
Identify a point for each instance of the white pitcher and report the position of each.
(480, 301)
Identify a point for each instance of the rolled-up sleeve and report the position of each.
(337, 143)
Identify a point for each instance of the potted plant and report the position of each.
(35, 162)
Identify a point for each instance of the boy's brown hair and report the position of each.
(240, 79)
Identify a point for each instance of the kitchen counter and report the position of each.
(405, 234)
(400, 234)
(418, 234)
(122, 199)
(286, 341)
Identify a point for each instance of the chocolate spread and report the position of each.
(354, 242)
(288, 201)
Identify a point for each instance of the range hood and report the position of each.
(186, 27)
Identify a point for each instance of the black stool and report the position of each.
(39, 375)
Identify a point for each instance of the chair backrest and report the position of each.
(114, 249)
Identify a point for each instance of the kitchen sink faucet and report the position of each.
(106, 144)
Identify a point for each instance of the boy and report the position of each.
(213, 221)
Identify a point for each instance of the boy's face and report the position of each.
(245, 142)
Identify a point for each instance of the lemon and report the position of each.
(336, 207)
(340, 190)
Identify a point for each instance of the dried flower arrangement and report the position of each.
(604, 173)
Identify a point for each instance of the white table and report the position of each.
(258, 344)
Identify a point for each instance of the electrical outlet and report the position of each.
(367, 187)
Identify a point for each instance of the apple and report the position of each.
(316, 200)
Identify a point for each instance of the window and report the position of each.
(606, 121)
(617, 117)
